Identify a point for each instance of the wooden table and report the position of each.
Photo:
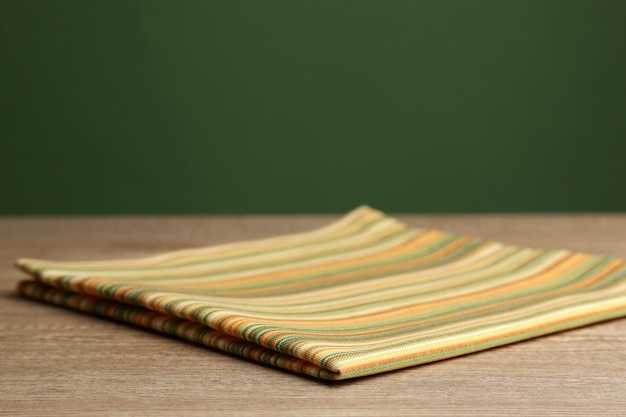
(59, 362)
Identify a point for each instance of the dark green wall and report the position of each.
(312, 106)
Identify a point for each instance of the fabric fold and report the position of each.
(363, 295)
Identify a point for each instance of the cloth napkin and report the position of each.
(363, 295)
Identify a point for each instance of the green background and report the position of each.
(312, 106)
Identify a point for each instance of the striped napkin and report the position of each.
(365, 294)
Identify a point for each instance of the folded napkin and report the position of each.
(363, 295)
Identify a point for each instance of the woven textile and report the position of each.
(363, 295)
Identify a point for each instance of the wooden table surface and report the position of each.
(59, 362)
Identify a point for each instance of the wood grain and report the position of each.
(58, 362)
